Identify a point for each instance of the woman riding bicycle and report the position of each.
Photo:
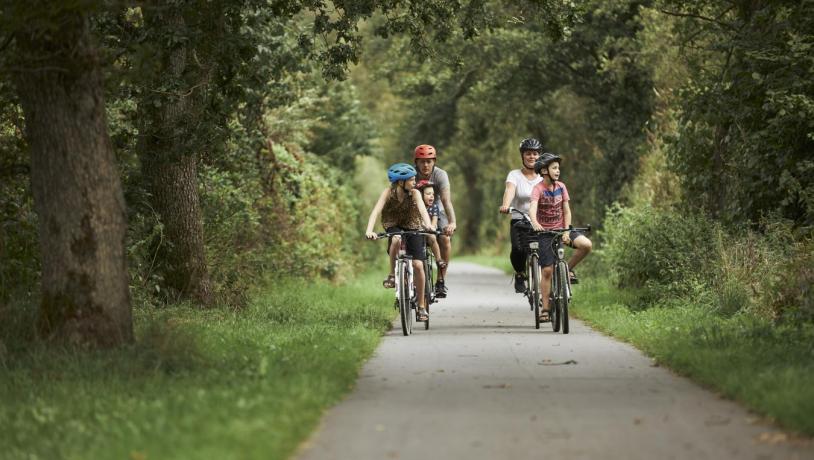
(402, 208)
(519, 184)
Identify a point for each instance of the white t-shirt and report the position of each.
(522, 193)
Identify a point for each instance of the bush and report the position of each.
(660, 252)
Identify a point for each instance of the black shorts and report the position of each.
(547, 254)
(416, 244)
(518, 231)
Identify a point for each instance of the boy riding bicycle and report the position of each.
(549, 209)
(402, 208)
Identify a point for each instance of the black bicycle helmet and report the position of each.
(530, 143)
(545, 160)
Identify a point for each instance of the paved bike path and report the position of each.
(482, 383)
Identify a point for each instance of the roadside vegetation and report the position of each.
(686, 133)
(218, 383)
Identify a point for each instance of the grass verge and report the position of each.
(768, 368)
(197, 384)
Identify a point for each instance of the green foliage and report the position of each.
(745, 135)
(661, 252)
(198, 383)
(580, 87)
(19, 247)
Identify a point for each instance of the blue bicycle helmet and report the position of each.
(400, 171)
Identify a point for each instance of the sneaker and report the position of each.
(440, 289)
(519, 283)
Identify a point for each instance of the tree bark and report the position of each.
(167, 149)
(76, 187)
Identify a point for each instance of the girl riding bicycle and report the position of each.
(549, 209)
(402, 208)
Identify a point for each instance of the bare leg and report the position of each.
(418, 279)
(446, 251)
(394, 251)
(582, 247)
(432, 242)
(545, 286)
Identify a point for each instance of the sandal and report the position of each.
(573, 277)
(389, 282)
(422, 314)
(545, 316)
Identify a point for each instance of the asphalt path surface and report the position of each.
(482, 383)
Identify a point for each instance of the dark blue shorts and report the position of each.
(547, 254)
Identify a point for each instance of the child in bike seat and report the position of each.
(427, 190)
(401, 209)
(549, 209)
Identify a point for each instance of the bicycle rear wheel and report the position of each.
(534, 289)
(562, 269)
(405, 313)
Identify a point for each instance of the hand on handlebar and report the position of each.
(450, 229)
(537, 227)
(371, 235)
(504, 209)
(566, 238)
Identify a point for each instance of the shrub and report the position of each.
(661, 252)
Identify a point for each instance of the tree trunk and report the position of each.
(76, 186)
(167, 149)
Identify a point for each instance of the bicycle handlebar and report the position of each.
(550, 230)
(409, 232)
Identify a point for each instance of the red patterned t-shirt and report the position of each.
(550, 203)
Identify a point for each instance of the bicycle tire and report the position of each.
(562, 268)
(405, 314)
(554, 304)
(534, 288)
(428, 297)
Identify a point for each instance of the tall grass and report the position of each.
(197, 384)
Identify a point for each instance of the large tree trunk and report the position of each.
(167, 148)
(76, 186)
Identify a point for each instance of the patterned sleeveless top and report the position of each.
(402, 214)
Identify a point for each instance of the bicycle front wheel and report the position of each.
(562, 270)
(534, 289)
(428, 291)
(405, 313)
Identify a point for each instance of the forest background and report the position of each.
(246, 147)
(189, 180)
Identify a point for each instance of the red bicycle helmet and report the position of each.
(424, 183)
(424, 151)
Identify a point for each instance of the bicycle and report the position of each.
(560, 295)
(406, 300)
(429, 282)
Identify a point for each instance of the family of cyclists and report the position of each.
(419, 198)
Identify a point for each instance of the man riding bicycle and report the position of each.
(425, 157)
